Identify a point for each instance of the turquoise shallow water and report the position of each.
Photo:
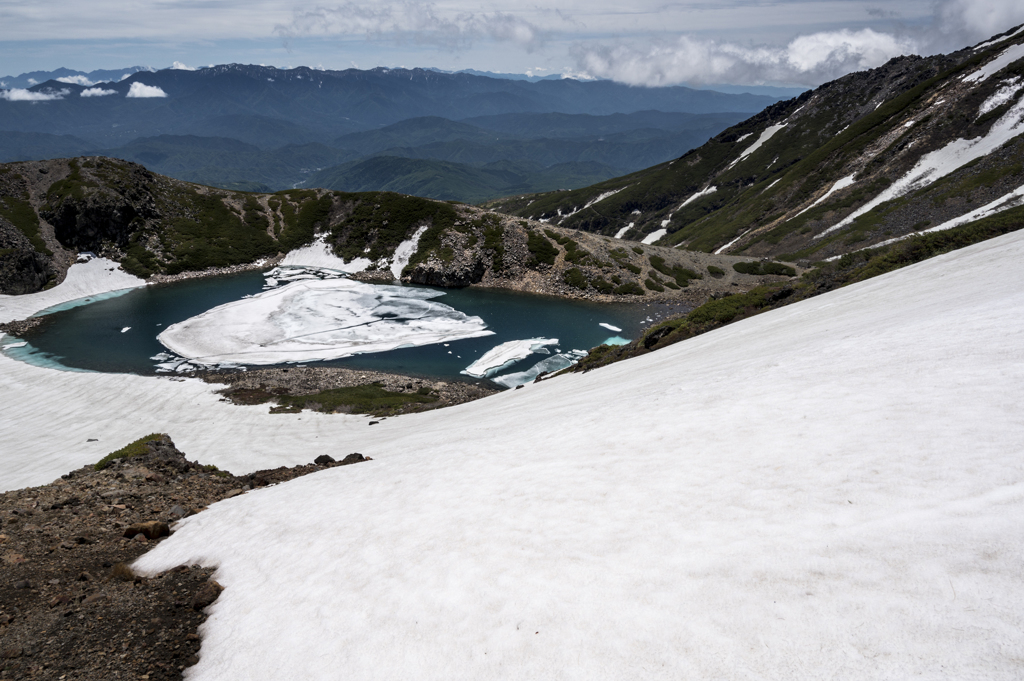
(91, 337)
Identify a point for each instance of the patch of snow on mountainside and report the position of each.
(656, 234)
(722, 249)
(319, 254)
(405, 251)
(1001, 96)
(622, 232)
(1005, 58)
(842, 183)
(766, 135)
(704, 192)
(989, 43)
(939, 163)
(829, 490)
(605, 195)
(1005, 202)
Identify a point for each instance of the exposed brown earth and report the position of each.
(70, 608)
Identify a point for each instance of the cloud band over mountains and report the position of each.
(645, 42)
(418, 22)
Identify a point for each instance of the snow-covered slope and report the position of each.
(829, 490)
(98, 276)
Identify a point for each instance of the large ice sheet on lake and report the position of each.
(319, 320)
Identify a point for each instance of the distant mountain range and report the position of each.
(297, 122)
(919, 144)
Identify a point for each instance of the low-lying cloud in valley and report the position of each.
(96, 92)
(21, 95)
(142, 91)
(76, 80)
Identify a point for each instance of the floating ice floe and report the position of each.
(548, 365)
(505, 355)
(286, 274)
(610, 327)
(319, 320)
(125, 329)
(11, 346)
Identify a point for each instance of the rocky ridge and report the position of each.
(791, 182)
(164, 229)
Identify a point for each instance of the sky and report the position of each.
(644, 42)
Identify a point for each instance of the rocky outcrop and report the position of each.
(70, 604)
(22, 268)
(455, 275)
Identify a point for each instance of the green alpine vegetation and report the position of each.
(849, 269)
(846, 166)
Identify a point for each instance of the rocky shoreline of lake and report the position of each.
(258, 386)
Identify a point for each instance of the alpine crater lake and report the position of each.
(431, 332)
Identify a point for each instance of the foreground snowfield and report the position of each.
(830, 490)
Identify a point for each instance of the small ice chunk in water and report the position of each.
(11, 346)
(616, 340)
(125, 329)
(610, 327)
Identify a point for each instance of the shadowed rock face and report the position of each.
(85, 224)
(455, 276)
(109, 215)
(22, 268)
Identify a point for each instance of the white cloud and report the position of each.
(76, 80)
(422, 23)
(178, 66)
(20, 95)
(807, 60)
(141, 91)
(978, 19)
(97, 92)
(33, 81)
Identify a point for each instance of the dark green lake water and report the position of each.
(89, 337)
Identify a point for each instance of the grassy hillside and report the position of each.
(829, 172)
(154, 225)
